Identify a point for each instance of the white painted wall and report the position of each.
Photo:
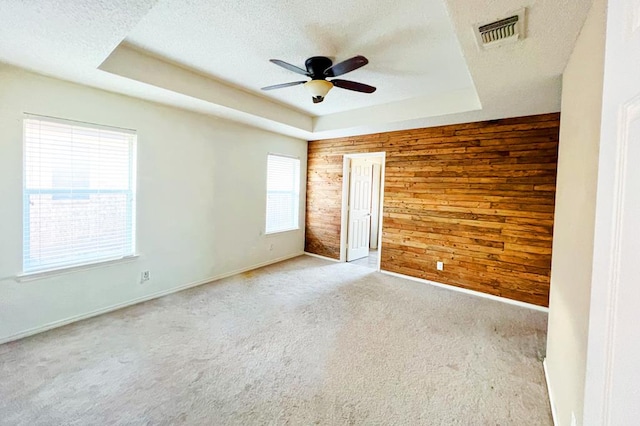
(575, 217)
(201, 201)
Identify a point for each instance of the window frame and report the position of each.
(296, 192)
(29, 271)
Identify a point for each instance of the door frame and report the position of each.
(344, 215)
(612, 341)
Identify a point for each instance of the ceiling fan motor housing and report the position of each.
(316, 65)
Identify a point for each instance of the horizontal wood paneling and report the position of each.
(477, 196)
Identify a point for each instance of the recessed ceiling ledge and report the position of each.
(454, 102)
(131, 63)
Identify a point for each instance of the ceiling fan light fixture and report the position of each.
(318, 89)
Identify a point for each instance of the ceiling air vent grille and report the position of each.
(498, 30)
(505, 30)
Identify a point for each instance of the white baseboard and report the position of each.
(75, 318)
(321, 257)
(471, 292)
(552, 402)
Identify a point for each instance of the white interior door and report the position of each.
(612, 393)
(359, 225)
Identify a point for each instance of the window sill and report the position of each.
(33, 276)
(274, 233)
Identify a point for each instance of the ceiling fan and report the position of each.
(319, 68)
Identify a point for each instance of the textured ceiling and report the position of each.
(232, 41)
(55, 36)
(212, 57)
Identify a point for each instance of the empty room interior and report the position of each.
(289, 212)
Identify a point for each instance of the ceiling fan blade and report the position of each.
(289, 67)
(346, 66)
(280, 86)
(353, 85)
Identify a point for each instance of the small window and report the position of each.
(79, 194)
(283, 193)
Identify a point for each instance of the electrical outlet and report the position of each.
(439, 266)
(270, 247)
(145, 276)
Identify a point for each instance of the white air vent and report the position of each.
(497, 33)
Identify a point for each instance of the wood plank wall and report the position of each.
(477, 196)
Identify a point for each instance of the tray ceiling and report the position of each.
(232, 41)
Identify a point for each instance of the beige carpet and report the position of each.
(302, 342)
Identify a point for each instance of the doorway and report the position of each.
(362, 202)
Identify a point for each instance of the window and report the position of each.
(283, 193)
(79, 194)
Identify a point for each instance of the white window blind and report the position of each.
(79, 194)
(283, 193)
